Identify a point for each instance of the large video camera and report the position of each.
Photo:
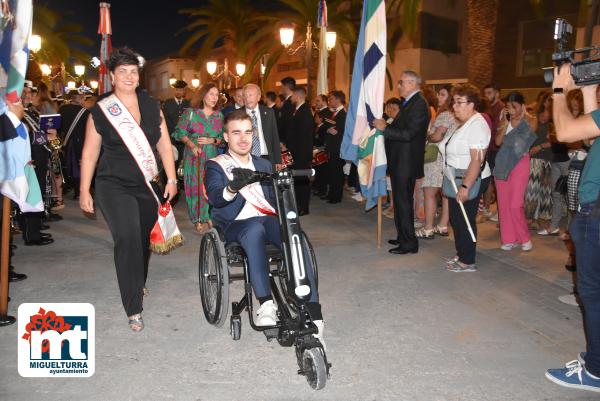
(584, 72)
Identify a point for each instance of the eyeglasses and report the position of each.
(460, 102)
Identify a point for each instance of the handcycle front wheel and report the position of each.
(213, 272)
(313, 366)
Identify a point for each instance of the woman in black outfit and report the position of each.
(128, 206)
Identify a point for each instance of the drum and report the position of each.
(286, 158)
(319, 157)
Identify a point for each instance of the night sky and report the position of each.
(148, 26)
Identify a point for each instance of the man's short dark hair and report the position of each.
(339, 95)
(236, 115)
(323, 97)
(281, 97)
(492, 85)
(123, 56)
(289, 82)
(271, 96)
(300, 91)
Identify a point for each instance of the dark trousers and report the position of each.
(584, 232)
(403, 189)
(302, 191)
(465, 247)
(335, 178)
(320, 183)
(31, 224)
(253, 234)
(130, 213)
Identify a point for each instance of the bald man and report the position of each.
(264, 124)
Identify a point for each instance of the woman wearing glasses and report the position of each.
(463, 154)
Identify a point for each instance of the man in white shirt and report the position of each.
(266, 142)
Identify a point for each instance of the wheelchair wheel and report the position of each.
(313, 366)
(213, 274)
(236, 327)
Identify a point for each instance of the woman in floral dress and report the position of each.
(200, 128)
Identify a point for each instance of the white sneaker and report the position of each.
(528, 246)
(358, 197)
(267, 314)
(508, 247)
(320, 326)
(569, 299)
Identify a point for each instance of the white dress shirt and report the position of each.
(261, 136)
(248, 211)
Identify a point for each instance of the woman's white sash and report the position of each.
(165, 236)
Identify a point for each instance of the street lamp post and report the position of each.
(286, 35)
(222, 74)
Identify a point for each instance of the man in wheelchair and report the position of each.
(243, 208)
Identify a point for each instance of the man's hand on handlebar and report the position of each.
(241, 178)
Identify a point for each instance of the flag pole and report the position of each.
(379, 221)
(5, 320)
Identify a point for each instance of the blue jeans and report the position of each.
(584, 232)
(253, 234)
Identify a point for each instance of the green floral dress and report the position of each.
(194, 124)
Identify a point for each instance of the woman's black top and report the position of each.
(560, 152)
(116, 162)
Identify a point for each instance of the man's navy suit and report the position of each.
(252, 233)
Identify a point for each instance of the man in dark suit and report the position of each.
(405, 148)
(300, 144)
(237, 94)
(172, 109)
(266, 144)
(335, 125)
(247, 217)
(322, 112)
(288, 84)
(74, 118)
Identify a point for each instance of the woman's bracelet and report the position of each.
(172, 181)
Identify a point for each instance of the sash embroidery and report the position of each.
(165, 235)
(252, 193)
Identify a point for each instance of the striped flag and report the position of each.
(104, 29)
(14, 53)
(322, 87)
(17, 177)
(362, 144)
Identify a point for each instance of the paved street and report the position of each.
(397, 327)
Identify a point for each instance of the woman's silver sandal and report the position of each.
(136, 323)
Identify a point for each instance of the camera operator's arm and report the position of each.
(569, 128)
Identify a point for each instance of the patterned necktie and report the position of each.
(255, 140)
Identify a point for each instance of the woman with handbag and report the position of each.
(128, 127)
(511, 173)
(466, 175)
(200, 129)
(444, 124)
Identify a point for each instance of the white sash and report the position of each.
(165, 235)
(253, 193)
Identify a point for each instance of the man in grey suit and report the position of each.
(266, 142)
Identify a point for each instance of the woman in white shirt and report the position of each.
(464, 151)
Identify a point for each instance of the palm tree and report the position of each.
(482, 16)
(62, 39)
(233, 24)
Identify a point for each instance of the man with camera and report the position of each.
(584, 372)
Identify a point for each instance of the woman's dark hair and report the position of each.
(198, 100)
(471, 92)
(271, 96)
(447, 105)
(516, 97)
(429, 94)
(123, 56)
(394, 100)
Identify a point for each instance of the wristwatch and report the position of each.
(464, 186)
(172, 181)
(558, 91)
